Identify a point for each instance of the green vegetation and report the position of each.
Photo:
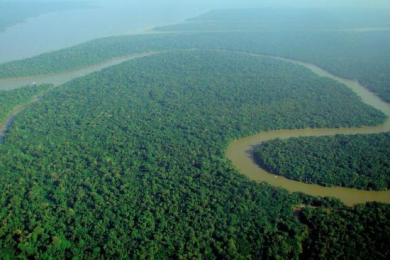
(282, 19)
(86, 54)
(9, 100)
(129, 163)
(331, 39)
(349, 54)
(361, 161)
(362, 232)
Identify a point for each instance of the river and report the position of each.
(239, 152)
(61, 29)
(63, 77)
(56, 80)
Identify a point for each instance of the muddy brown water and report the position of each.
(239, 152)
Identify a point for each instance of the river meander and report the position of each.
(240, 150)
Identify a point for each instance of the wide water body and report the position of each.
(61, 29)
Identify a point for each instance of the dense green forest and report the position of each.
(341, 41)
(361, 232)
(129, 163)
(347, 53)
(9, 100)
(280, 19)
(361, 161)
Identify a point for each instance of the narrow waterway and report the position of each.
(56, 80)
(64, 77)
(4, 127)
(240, 151)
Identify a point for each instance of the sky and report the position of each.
(213, 4)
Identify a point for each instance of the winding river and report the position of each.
(240, 151)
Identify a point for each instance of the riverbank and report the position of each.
(55, 80)
(64, 77)
(239, 152)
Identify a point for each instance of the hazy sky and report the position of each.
(211, 4)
